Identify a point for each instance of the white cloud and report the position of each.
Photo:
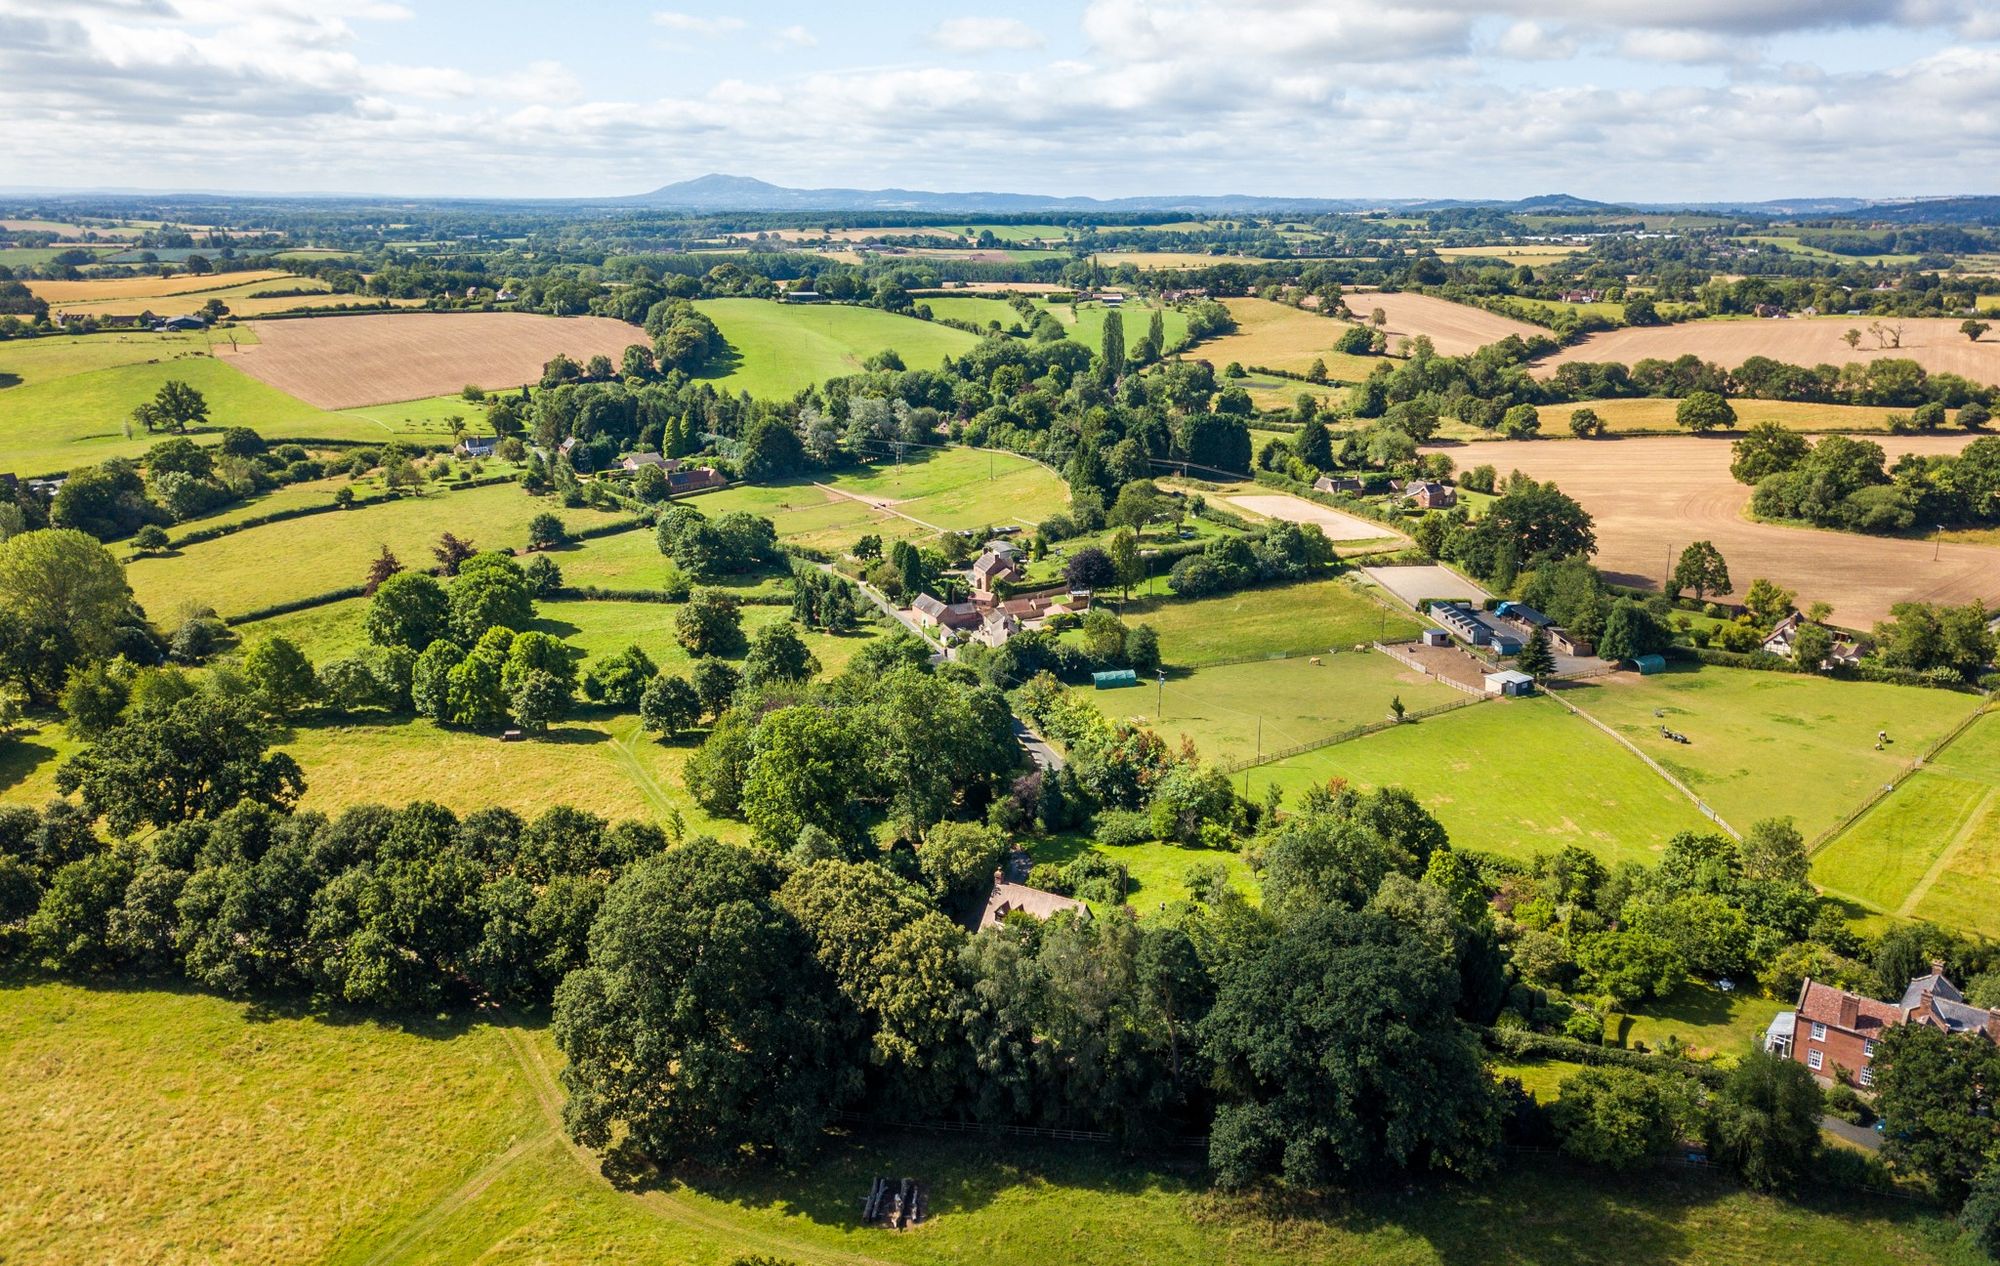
(1655, 44)
(1531, 41)
(794, 36)
(694, 24)
(985, 35)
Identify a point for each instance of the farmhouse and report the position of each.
(941, 615)
(477, 446)
(634, 461)
(1007, 898)
(1342, 483)
(681, 478)
(991, 570)
(1833, 1031)
(1429, 494)
(996, 628)
(1783, 640)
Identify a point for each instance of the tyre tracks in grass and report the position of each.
(657, 1202)
(1959, 839)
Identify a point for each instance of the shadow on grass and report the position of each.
(20, 757)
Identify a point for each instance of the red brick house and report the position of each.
(1834, 1031)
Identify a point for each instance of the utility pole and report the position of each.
(1160, 698)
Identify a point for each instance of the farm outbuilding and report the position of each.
(1509, 681)
(1114, 678)
(1436, 637)
(1650, 664)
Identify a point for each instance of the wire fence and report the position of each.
(1354, 732)
(1656, 767)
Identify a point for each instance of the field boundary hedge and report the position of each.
(1522, 1043)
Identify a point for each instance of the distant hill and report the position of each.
(743, 193)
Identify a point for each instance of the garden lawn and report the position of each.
(1708, 1022)
(1293, 701)
(282, 562)
(776, 349)
(168, 1126)
(1516, 777)
(1542, 1078)
(1769, 745)
(1305, 618)
(1931, 848)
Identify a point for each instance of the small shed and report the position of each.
(1436, 637)
(1509, 681)
(1114, 678)
(1650, 664)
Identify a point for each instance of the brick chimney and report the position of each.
(1850, 1011)
(1937, 967)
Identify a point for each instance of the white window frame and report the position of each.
(1867, 1076)
(1815, 1060)
(1868, 1047)
(1818, 1031)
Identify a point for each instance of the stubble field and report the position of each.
(349, 361)
(1934, 343)
(1652, 497)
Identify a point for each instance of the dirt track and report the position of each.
(1934, 343)
(1337, 526)
(1652, 497)
(347, 362)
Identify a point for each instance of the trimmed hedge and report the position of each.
(1332, 501)
(1523, 1044)
(298, 604)
(1765, 662)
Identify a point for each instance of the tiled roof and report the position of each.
(1837, 1008)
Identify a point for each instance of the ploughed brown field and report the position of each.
(1933, 342)
(346, 362)
(1453, 328)
(1652, 497)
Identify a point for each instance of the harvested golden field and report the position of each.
(1453, 328)
(258, 297)
(345, 362)
(1652, 497)
(1934, 343)
(1647, 414)
(97, 288)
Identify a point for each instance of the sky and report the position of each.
(1650, 100)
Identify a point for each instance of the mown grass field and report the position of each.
(931, 490)
(173, 1127)
(1234, 711)
(1084, 323)
(778, 349)
(74, 393)
(1279, 336)
(1931, 849)
(1773, 744)
(1305, 618)
(1517, 777)
(279, 562)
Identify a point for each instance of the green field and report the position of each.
(1307, 618)
(1517, 777)
(1774, 744)
(1234, 711)
(931, 490)
(74, 393)
(777, 350)
(280, 562)
(1930, 849)
(173, 1127)
(1279, 336)
(1084, 324)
